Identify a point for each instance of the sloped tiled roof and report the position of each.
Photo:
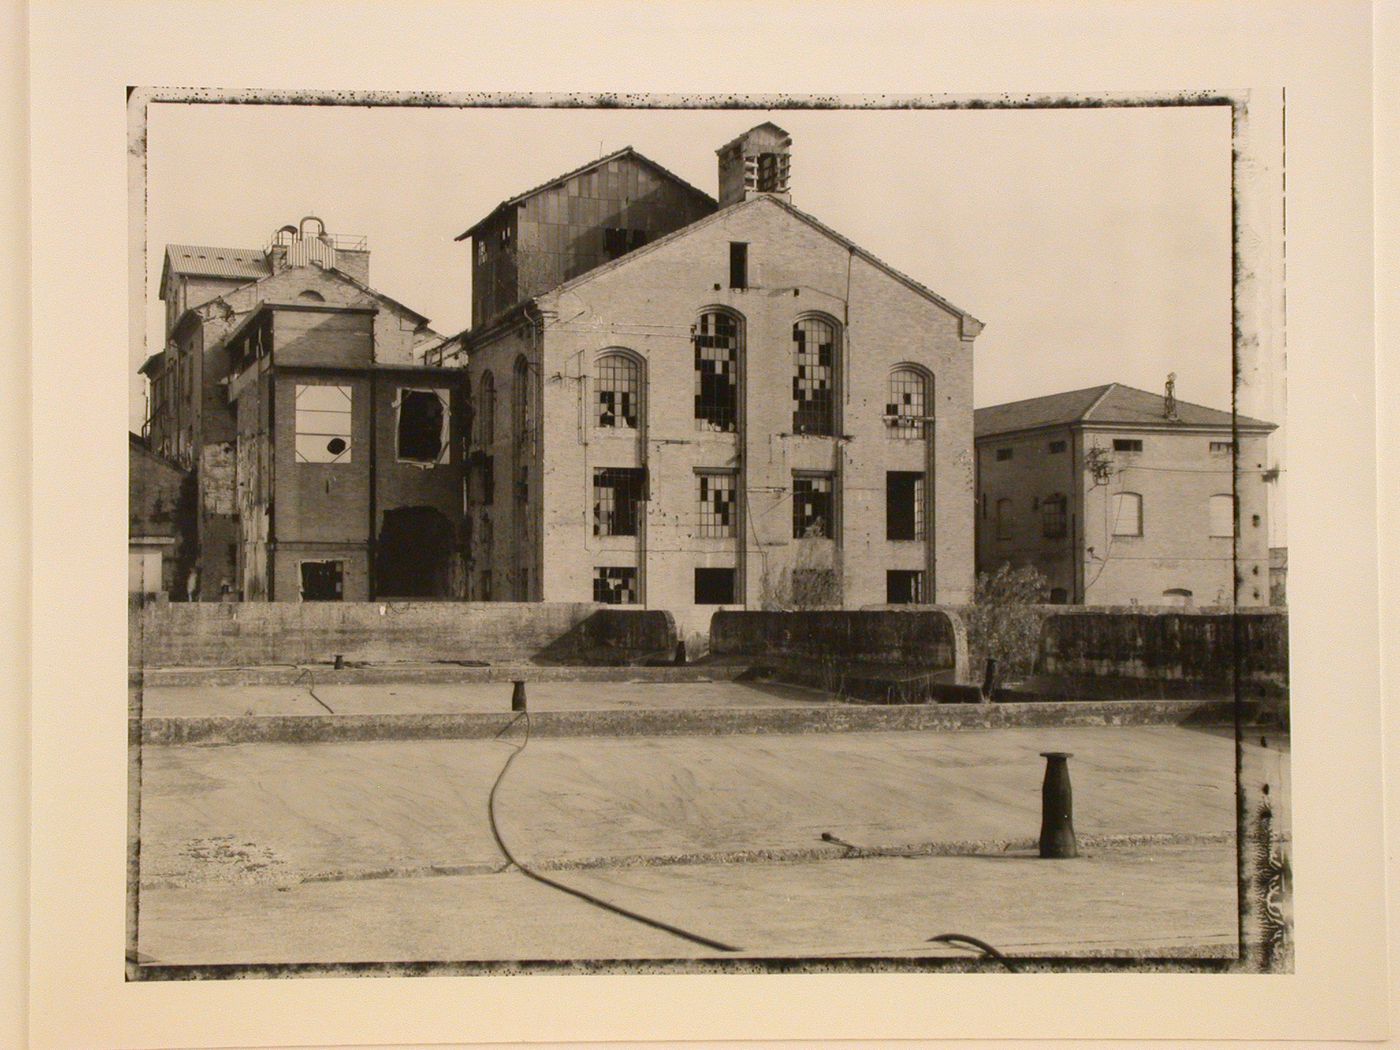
(625, 151)
(1112, 403)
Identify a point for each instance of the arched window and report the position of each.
(814, 376)
(618, 389)
(521, 402)
(311, 296)
(719, 339)
(1222, 515)
(486, 410)
(907, 409)
(1127, 514)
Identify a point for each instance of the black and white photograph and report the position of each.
(703, 523)
(674, 536)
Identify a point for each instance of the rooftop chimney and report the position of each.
(308, 244)
(1169, 398)
(755, 163)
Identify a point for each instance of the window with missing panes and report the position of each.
(813, 380)
(618, 493)
(905, 411)
(619, 387)
(718, 512)
(811, 506)
(615, 585)
(717, 347)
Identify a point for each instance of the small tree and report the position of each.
(1002, 625)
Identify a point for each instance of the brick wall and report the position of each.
(252, 633)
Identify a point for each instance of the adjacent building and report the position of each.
(160, 509)
(1121, 497)
(731, 405)
(273, 356)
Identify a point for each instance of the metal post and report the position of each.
(517, 697)
(680, 652)
(1057, 841)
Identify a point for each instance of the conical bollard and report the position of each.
(517, 697)
(1057, 841)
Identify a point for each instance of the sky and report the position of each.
(1093, 243)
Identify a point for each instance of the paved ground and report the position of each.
(229, 834)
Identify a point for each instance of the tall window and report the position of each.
(619, 387)
(719, 514)
(521, 403)
(907, 405)
(486, 410)
(1053, 517)
(1222, 515)
(323, 424)
(811, 506)
(422, 426)
(738, 264)
(814, 377)
(1127, 514)
(1003, 519)
(617, 498)
(904, 505)
(717, 347)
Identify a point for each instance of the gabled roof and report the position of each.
(740, 138)
(625, 151)
(196, 260)
(1112, 404)
(970, 324)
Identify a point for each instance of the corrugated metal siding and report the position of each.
(198, 260)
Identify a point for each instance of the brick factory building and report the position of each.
(1124, 497)
(322, 450)
(687, 404)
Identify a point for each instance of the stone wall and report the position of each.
(919, 639)
(254, 633)
(1171, 644)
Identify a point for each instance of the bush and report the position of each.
(1002, 625)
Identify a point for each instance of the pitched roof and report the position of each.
(200, 261)
(1112, 404)
(909, 282)
(740, 138)
(625, 151)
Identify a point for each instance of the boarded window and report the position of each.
(1127, 514)
(811, 506)
(323, 424)
(738, 265)
(905, 410)
(717, 339)
(904, 505)
(619, 388)
(718, 512)
(422, 426)
(322, 581)
(618, 493)
(1222, 515)
(904, 586)
(1054, 517)
(714, 586)
(813, 380)
(615, 585)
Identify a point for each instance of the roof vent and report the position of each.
(757, 162)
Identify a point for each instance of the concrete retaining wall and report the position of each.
(926, 639)
(254, 633)
(1166, 644)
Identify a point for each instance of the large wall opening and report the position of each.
(414, 557)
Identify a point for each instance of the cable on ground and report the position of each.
(311, 687)
(598, 902)
(981, 945)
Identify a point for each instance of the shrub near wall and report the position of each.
(1177, 644)
(251, 633)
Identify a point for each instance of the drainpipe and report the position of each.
(371, 546)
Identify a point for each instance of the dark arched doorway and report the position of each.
(414, 558)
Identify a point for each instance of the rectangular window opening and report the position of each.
(738, 264)
(422, 426)
(322, 581)
(904, 586)
(1056, 447)
(1003, 454)
(904, 505)
(1221, 448)
(1054, 517)
(813, 380)
(718, 510)
(811, 507)
(1127, 444)
(618, 493)
(323, 417)
(717, 373)
(714, 586)
(615, 585)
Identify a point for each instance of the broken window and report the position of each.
(1054, 517)
(738, 264)
(422, 430)
(486, 410)
(905, 410)
(619, 388)
(1222, 515)
(717, 346)
(769, 174)
(811, 506)
(814, 353)
(323, 424)
(615, 585)
(1127, 514)
(322, 581)
(1221, 448)
(714, 586)
(618, 493)
(904, 586)
(904, 505)
(718, 510)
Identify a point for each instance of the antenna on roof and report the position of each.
(1169, 399)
